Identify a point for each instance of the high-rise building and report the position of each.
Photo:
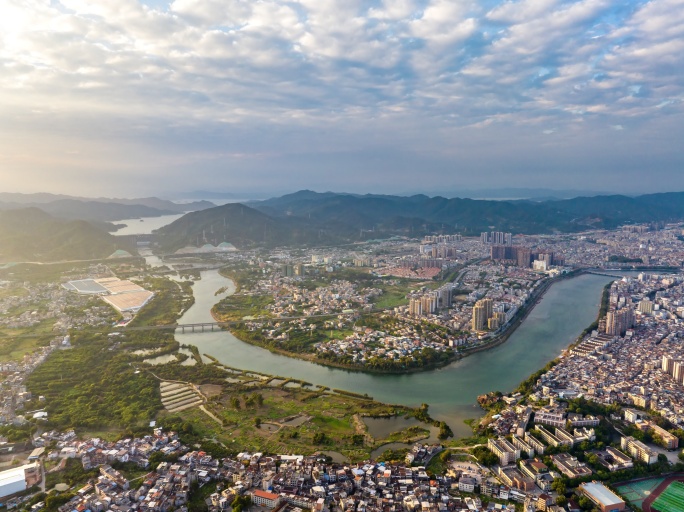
(489, 307)
(482, 312)
(678, 371)
(429, 303)
(479, 318)
(415, 307)
(496, 237)
(646, 307)
(524, 257)
(618, 321)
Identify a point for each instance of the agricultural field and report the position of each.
(279, 415)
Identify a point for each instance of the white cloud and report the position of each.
(396, 70)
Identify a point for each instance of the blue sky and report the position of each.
(153, 97)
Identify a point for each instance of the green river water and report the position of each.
(564, 311)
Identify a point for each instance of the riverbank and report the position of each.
(495, 341)
(566, 308)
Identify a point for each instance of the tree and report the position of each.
(558, 485)
(257, 422)
(561, 500)
(444, 431)
(485, 456)
(241, 503)
(585, 503)
(235, 403)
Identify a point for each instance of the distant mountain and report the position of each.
(237, 224)
(312, 218)
(90, 210)
(69, 207)
(30, 234)
(471, 215)
(618, 209)
(401, 215)
(513, 193)
(221, 196)
(162, 204)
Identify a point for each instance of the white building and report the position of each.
(18, 479)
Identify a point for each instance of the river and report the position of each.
(565, 310)
(146, 225)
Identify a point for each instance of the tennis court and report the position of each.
(636, 492)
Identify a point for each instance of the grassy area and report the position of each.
(408, 435)
(130, 470)
(394, 456)
(13, 291)
(292, 419)
(391, 297)
(439, 464)
(170, 299)
(41, 273)
(672, 498)
(15, 343)
(73, 475)
(236, 307)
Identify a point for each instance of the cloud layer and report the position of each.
(387, 95)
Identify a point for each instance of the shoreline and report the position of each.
(516, 322)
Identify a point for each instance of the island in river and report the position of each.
(355, 320)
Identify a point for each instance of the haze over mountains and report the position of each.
(98, 209)
(46, 227)
(30, 234)
(324, 218)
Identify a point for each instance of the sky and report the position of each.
(152, 97)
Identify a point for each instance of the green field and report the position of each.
(671, 499)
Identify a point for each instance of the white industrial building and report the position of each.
(18, 479)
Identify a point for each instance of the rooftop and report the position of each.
(601, 493)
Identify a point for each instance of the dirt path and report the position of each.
(211, 415)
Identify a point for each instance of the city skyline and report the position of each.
(156, 98)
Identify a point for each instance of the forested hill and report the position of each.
(313, 218)
(30, 234)
(238, 224)
(471, 215)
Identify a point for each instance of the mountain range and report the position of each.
(314, 218)
(98, 209)
(306, 218)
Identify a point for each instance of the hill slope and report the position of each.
(235, 223)
(30, 234)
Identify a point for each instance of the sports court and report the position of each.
(636, 492)
(671, 499)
